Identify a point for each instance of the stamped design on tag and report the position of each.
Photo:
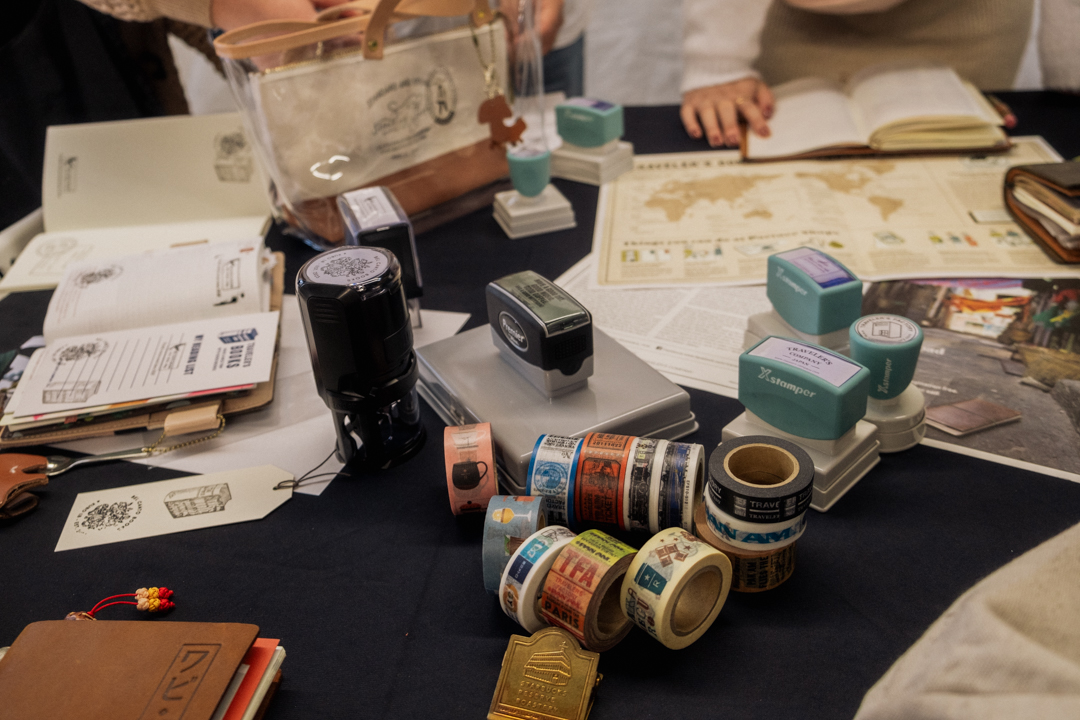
(198, 500)
(101, 516)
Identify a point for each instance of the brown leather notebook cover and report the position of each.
(121, 670)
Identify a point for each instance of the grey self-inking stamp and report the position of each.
(373, 217)
(815, 398)
(815, 299)
(546, 335)
(889, 345)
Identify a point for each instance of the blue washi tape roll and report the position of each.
(552, 473)
(750, 535)
(510, 520)
(677, 469)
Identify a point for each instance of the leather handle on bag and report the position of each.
(275, 36)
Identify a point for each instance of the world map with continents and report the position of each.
(676, 197)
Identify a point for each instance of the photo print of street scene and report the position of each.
(1000, 364)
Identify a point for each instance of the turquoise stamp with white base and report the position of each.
(889, 346)
(815, 398)
(814, 297)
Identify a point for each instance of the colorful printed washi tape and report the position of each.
(510, 519)
(523, 578)
(552, 471)
(581, 591)
(471, 478)
(751, 570)
(675, 587)
(618, 481)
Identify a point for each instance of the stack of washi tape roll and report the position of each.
(597, 587)
(618, 482)
(748, 517)
(755, 507)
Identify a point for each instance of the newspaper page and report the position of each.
(707, 218)
(691, 335)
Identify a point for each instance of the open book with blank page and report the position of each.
(881, 110)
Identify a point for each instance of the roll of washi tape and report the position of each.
(523, 578)
(681, 485)
(471, 478)
(761, 479)
(601, 471)
(510, 519)
(638, 483)
(657, 486)
(675, 587)
(751, 571)
(552, 470)
(753, 536)
(581, 591)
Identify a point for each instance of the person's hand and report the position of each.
(231, 14)
(714, 111)
(547, 19)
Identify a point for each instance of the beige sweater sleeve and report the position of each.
(196, 12)
(1008, 648)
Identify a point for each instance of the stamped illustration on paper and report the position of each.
(233, 158)
(98, 275)
(198, 500)
(100, 516)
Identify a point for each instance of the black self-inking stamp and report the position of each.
(544, 334)
(361, 342)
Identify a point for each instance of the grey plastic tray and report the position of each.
(466, 381)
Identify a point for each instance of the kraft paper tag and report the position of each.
(172, 506)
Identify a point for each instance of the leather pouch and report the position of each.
(1063, 178)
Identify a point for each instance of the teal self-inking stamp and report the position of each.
(889, 345)
(814, 298)
(592, 151)
(534, 206)
(813, 397)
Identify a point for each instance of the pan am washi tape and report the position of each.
(675, 587)
(510, 519)
(581, 592)
(751, 571)
(761, 479)
(524, 575)
(471, 478)
(552, 472)
(753, 536)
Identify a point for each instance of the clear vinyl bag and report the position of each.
(343, 103)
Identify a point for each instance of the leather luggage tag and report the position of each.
(16, 481)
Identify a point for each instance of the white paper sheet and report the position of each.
(43, 262)
(691, 335)
(172, 506)
(181, 284)
(87, 371)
